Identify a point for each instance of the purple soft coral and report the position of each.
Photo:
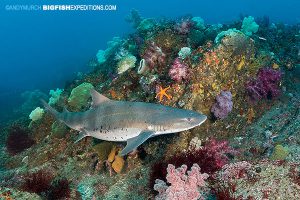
(265, 86)
(182, 186)
(179, 71)
(223, 106)
(154, 56)
(184, 26)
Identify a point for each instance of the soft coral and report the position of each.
(265, 86)
(18, 140)
(210, 158)
(37, 182)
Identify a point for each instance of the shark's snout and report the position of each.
(189, 120)
(195, 119)
(200, 119)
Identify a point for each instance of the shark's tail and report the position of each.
(50, 109)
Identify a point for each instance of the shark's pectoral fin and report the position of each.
(133, 143)
(82, 134)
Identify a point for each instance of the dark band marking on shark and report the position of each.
(134, 122)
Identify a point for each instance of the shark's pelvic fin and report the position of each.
(98, 98)
(66, 110)
(134, 142)
(82, 134)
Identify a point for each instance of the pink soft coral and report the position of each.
(183, 187)
(179, 71)
(234, 171)
(219, 150)
(265, 86)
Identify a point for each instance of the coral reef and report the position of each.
(18, 140)
(182, 186)
(229, 33)
(252, 153)
(58, 129)
(55, 96)
(198, 23)
(184, 26)
(223, 106)
(264, 180)
(37, 182)
(279, 153)
(179, 71)
(211, 157)
(59, 190)
(184, 52)
(36, 114)
(126, 63)
(265, 86)
(153, 56)
(249, 26)
(112, 46)
(79, 96)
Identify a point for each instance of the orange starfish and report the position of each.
(162, 93)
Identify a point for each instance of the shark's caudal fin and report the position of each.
(51, 110)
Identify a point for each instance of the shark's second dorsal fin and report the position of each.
(98, 98)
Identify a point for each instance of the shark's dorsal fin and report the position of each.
(98, 98)
(134, 142)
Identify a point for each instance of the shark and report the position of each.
(120, 121)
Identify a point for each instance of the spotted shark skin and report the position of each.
(120, 121)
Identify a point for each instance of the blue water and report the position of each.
(41, 50)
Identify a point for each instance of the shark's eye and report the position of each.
(189, 119)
